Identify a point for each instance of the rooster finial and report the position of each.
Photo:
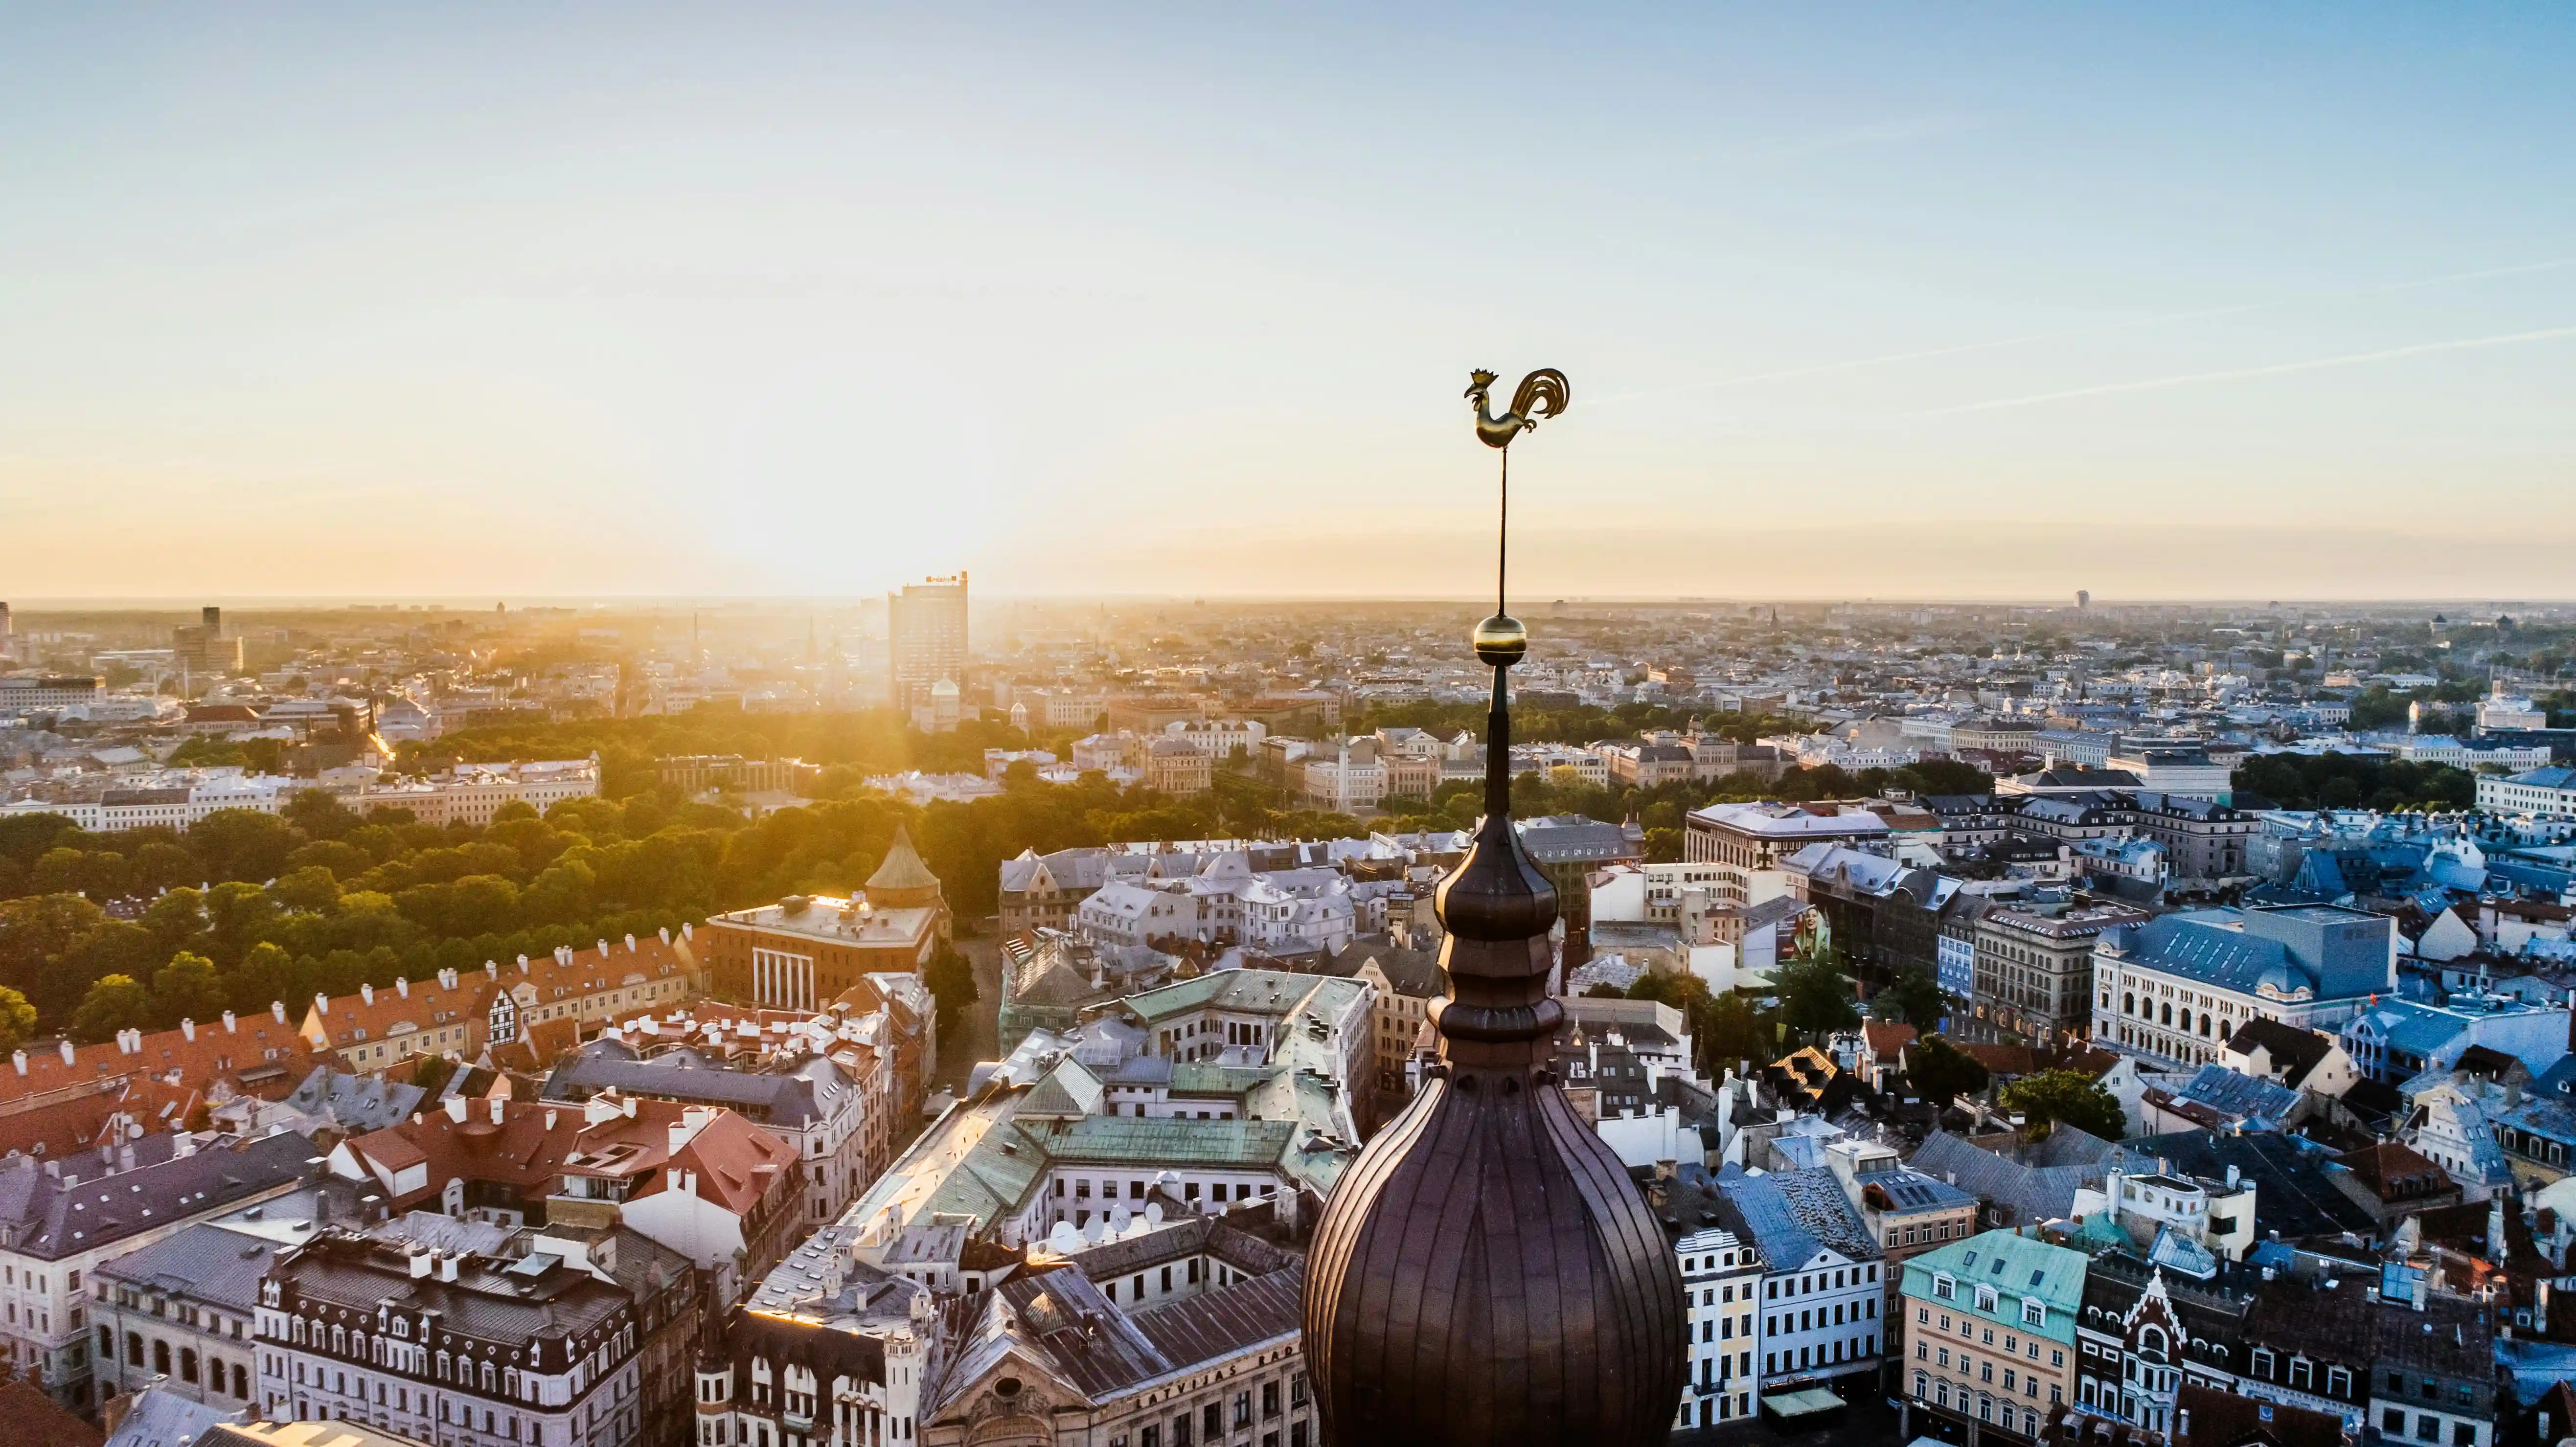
(1541, 394)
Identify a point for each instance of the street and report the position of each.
(978, 1029)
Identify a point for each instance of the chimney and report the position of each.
(447, 1265)
(497, 1103)
(367, 993)
(19, 1059)
(68, 1052)
(402, 986)
(320, 1002)
(228, 1023)
(188, 1028)
(278, 1009)
(688, 934)
(630, 942)
(456, 1109)
(418, 1260)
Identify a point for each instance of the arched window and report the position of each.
(2168, 1013)
(2128, 1003)
(161, 1357)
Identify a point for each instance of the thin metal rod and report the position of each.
(1503, 535)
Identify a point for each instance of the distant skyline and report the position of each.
(1892, 302)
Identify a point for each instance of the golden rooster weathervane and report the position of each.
(1500, 640)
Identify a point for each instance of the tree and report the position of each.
(1815, 995)
(2070, 1096)
(187, 988)
(1941, 1072)
(17, 1019)
(1732, 1031)
(1915, 998)
(952, 983)
(432, 1073)
(115, 1002)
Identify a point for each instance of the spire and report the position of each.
(1486, 1271)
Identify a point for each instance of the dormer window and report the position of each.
(1945, 1288)
(1986, 1298)
(2033, 1312)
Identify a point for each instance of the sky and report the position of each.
(476, 302)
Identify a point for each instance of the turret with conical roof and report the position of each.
(903, 881)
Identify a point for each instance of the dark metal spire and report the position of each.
(1485, 1272)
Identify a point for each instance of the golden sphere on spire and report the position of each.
(1501, 640)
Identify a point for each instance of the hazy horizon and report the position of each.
(2183, 305)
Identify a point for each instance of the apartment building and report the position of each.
(447, 1346)
(63, 1217)
(1991, 1333)
(2034, 972)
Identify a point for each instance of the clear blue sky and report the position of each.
(1913, 300)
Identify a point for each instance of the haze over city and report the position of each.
(1860, 302)
(798, 726)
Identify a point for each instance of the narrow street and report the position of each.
(978, 1029)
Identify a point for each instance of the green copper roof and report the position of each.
(2015, 1268)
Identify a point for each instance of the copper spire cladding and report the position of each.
(1485, 1272)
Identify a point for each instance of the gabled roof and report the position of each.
(2293, 1051)
(238, 1049)
(96, 1199)
(1795, 1214)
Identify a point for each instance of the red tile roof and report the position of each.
(397, 1009)
(735, 1163)
(196, 1055)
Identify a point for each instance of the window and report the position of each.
(2339, 1381)
(2033, 1312)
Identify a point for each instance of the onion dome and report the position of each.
(1486, 1271)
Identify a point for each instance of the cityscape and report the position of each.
(826, 731)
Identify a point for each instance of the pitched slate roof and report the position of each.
(2022, 1193)
(49, 1217)
(1795, 1214)
(2293, 1051)
(207, 1263)
(2291, 1192)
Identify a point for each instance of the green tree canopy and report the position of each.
(187, 988)
(17, 1019)
(115, 1002)
(1941, 1072)
(1914, 997)
(1816, 997)
(2071, 1096)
